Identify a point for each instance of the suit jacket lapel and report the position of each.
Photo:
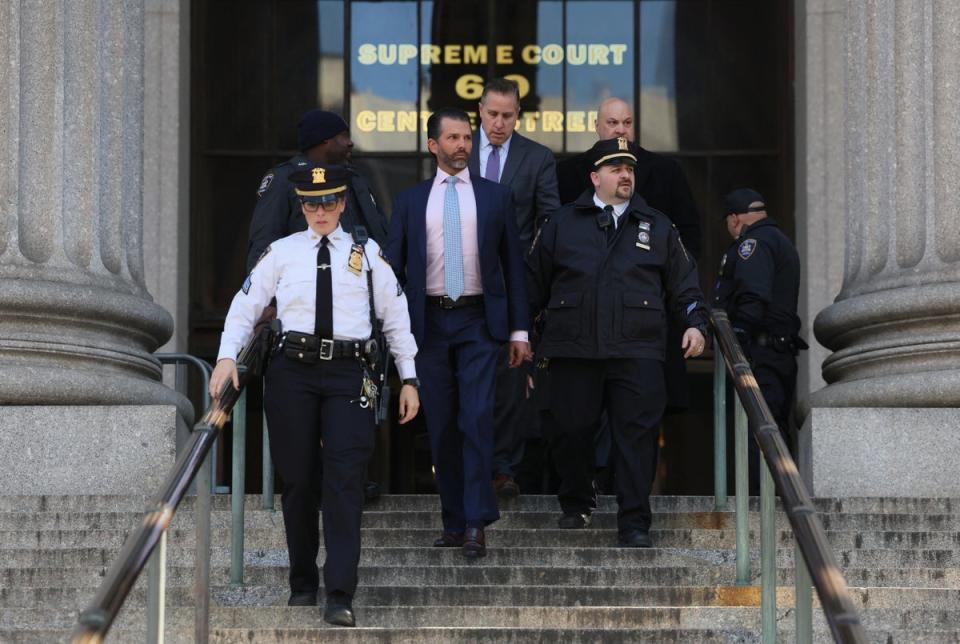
(474, 162)
(418, 225)
(482, 197)
(518, 148)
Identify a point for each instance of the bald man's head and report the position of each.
(614, 118)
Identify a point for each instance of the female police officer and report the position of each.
(317, 394)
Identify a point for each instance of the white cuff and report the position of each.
(519, 336)
(406, 368)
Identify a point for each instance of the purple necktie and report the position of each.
(493, 164)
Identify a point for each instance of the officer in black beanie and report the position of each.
(323, 137)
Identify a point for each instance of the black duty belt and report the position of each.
(781, 343)
(444, 302)
(305, 347)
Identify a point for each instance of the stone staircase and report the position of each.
(537, 584)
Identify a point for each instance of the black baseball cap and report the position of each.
(739, 201)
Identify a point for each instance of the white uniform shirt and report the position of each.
(288, 271)
(618, 209)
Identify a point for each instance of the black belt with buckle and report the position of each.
(444, 302)
(308, 348)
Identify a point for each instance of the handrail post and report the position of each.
(156, 591)
(238, 489)
(803, 592)
(768, 557)
(201, 584)
(719, 431)
(267, 468)
(743, 494)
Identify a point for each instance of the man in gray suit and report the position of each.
(529, 169)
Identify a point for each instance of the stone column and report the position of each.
(894, 329)
(77, 326)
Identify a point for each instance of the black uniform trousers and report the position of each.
(509, 414)
(633, 393)
(320, 443)
(776, 374)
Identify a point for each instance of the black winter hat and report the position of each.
(318, 126)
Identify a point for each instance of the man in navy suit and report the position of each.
(529, 170)
(454, 245)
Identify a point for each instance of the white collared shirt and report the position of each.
(618, 209)
(288, 271)
(486, 147)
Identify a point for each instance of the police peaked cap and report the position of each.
(320, 182)
(739, 201)
(610, 152)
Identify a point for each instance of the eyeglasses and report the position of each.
(314, 206)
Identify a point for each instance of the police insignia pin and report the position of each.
(643, 240)
(747, 246)
(644, 225)
(264, 184)
(355, 263)
(622, 143)
(319, 175)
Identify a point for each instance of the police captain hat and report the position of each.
(318, 126)
(739, 201)
(321, 183)
(610, 152)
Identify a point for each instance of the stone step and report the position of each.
(430, 502)
(481, 574)
(441, 635)
(519, 556)
(645, 618)
(66, 521)
(264, 538)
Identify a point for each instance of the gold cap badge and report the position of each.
(622, 142)
(319, 175)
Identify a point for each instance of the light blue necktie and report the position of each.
(452, 249)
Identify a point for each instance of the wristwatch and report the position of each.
(413, 382)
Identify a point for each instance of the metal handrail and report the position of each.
(95, 621)
(811, 539)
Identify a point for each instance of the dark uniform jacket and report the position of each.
(760, 282)
(660, 181)
(278, 214)
(611, 301)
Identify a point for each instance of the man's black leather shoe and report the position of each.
(636, 539)
(304, 598)
(339, 610)
(574, 521)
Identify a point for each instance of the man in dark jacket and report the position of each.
(322, 137)
(661, 183)
(604, 273)
(758, 287)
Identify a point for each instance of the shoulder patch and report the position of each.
(266, 251)
(746, 248)
(265, 184)
(247, 283)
